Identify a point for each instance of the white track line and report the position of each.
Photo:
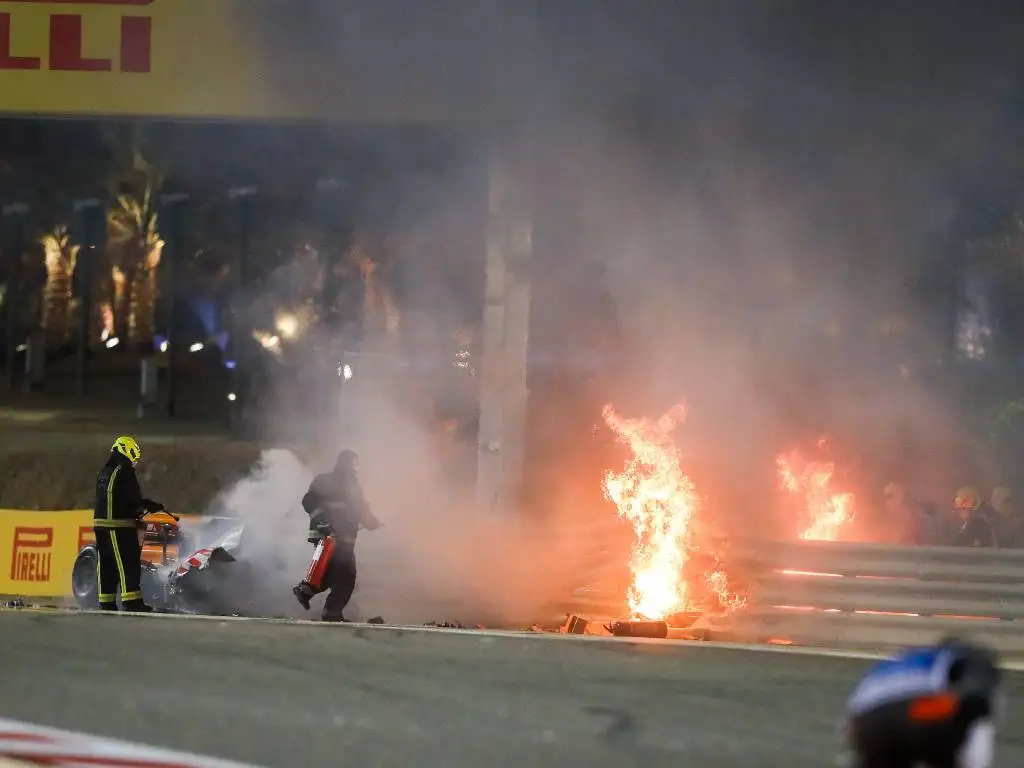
(1014, 665)
(27, 744)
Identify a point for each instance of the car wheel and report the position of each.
(84, 585)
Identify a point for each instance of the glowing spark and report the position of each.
(287, 325)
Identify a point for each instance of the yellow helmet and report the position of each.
(967, 498)
(127, 447)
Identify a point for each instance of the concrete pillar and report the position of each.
(503, 370)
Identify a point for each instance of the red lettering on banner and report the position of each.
(86, 536)
(136, 44)
(6, 60)
(66, 40)
(31, 556)
(67, 43)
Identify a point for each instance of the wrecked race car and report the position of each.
(195, 571)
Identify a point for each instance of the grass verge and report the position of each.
(186, 475)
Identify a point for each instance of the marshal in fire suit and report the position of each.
(975, 526)
(337, 509)
(119, 506)
(931, 707)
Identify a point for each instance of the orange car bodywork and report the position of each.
(151, 537)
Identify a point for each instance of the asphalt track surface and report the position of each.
(279, 694)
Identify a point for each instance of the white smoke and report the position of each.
(437, 558)
(267, 502)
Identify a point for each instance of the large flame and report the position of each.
(826, 511)
(660, 501)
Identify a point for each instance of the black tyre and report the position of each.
(84, 582)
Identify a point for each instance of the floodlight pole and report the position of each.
(91, 237)
(14, 217)
(172, 224)
(242, 197)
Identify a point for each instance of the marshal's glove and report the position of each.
(318, 528)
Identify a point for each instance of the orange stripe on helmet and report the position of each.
(935, 708)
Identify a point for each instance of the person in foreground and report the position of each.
(931, 707)
(337, 509)
(119, 506)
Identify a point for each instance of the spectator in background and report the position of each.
(904, 518)
(976, 529)
(1004, 520)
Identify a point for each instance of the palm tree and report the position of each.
(135, 238)
(61, 255)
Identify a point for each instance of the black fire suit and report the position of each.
(337, 509)
(977, 530)
(119, 505)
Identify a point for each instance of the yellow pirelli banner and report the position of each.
(188, 58)
(233, 60)
(38, 550)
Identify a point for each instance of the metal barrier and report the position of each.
(837, 594)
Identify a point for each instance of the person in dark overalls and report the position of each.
(975, 524)
(115, 521)
(337, 509)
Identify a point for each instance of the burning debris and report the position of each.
(452, 625)
(673, 570)
(824, 511)
(678, 582)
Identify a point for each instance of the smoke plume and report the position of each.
(734, 208)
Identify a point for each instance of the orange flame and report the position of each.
(660, 501)
(826, 511)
